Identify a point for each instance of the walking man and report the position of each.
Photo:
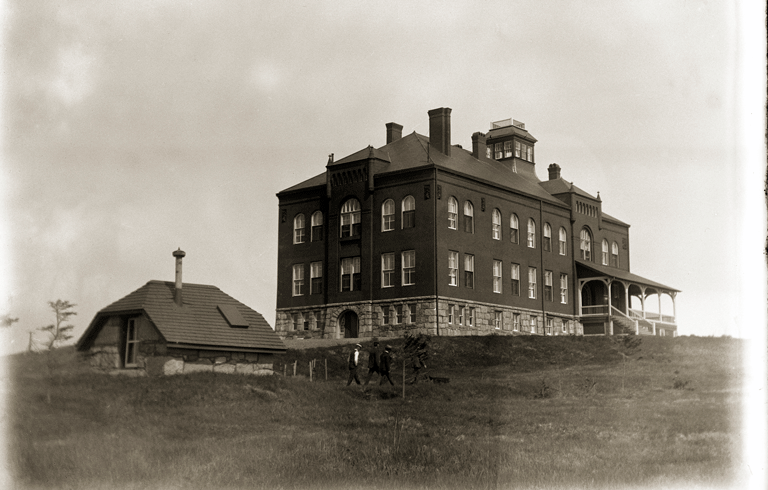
(386, 364)
(373, 362)
(353, 360)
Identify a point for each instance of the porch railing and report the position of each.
(594, 310)
(652, 316)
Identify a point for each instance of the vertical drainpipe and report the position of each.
(371, 222)
(543, 272)
(435, 261)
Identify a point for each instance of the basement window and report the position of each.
(232, 316)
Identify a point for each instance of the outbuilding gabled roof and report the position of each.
(203, 321)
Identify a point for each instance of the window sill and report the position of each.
(350, 238)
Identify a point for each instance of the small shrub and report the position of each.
(679, 384)
(543, 391)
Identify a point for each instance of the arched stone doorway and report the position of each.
(349, 324)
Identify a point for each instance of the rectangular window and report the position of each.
(298, 321)
(529, 151)
(471, 317)
(409, 268)
(317, 233)
(412, 314)
(385, 314)
(461, 315)
(488, 153)
(515, 279)
(548, 286)
(550, 326)
(497, 318)
(469, 271)
(564, 289)
(350, 274)
(316, 278)
(313, 320)
(409, 218)
(547, 243)
(532, 282)
(387, 270)
(498, 154)
(507, 149)
(453, 268)
(614, 260)
(517, 149)
(388, 222)
(451, 313)
(534, 324)
(298, 279)
(131, 343)
(562, 242)
(496, 276)
(350, 224)
(516, 322)
(398, 314)
(562, 326)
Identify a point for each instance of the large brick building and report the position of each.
(426, 236)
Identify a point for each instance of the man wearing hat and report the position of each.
(353, 359)
(386, 362)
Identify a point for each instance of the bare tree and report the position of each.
(59, 331)
(7, 321)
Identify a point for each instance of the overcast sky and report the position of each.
(131, 129)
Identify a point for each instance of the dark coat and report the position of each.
(386, 362)
(374, 359)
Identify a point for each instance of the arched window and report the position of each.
(409, 212)
(453, 213)
(388, 215)
(514, 229)
(547, 241)
(496, 224)
(615, 254)
(317, 226)
(350, 218)
(605, 252)
(563, 240)
(531, 233)
(299, 234)
(469, 214)
(586, 244)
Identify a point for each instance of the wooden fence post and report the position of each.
(403, 379)
(294, 367)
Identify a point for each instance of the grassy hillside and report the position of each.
(522, 412)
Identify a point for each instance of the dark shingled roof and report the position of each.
(198, 322)
(413, 151)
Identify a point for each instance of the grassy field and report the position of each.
(518, 412)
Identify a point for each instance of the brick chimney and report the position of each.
(478, 145)
(440, 130)
(179, 254)
(554, 171)
(394, 132)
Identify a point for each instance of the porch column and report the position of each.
(610, 311)
(642, 299)
(674, 306)
(581, 285)
(661, 317)
(626, 299)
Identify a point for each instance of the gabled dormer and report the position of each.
(508, 141)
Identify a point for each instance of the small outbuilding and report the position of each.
(166, 328)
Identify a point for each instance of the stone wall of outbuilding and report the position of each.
(156, 359)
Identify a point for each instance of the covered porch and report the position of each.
(607, 302)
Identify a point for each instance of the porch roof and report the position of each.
(585, 270)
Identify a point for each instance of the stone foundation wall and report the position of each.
(371, 318)
(156, 359)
